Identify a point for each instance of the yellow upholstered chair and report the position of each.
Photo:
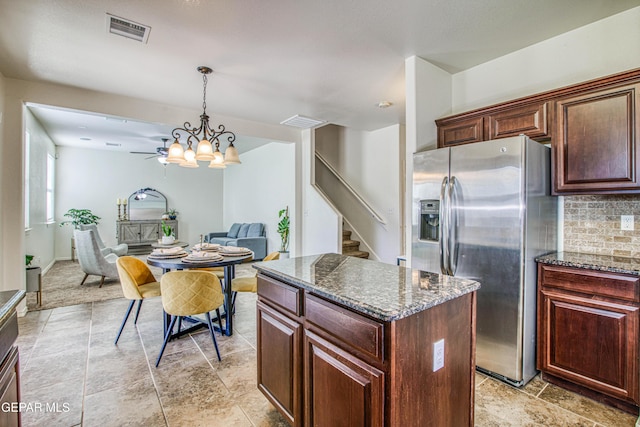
(249, 283)
(187, 293)
(137, 283)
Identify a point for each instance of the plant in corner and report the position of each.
(283, 229)
(80, 217)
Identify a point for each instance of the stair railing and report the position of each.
(353, 192)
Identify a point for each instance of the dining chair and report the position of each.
(119, 250)
(91, 259)
(248, 283)
(137, 283)
(188, 293)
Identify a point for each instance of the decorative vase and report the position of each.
(167, 240)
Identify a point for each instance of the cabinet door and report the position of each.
(596, 142)
(149, 232)
(10, 389)
(461, 132)
(530, 120)
(129, 233)
(279, 362)
(340, 389)
(589, 342)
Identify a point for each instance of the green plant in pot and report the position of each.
(283, 231)
(168, 236)
(80, 217)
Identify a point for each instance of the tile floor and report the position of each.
(70, 366)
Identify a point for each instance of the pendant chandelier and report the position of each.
(205, 137)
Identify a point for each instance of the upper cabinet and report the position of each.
(596, 141)
(593, 127)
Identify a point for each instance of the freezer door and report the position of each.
(430, 170)
(487, 224)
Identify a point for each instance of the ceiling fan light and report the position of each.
(231, 155)
(176, 153)
(163, 160)
(204, 151)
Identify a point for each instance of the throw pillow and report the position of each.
(244, 228)
(255, 229)
(233, 231)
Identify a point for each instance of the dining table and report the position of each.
(228, 263)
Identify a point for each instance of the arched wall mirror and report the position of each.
(147, 203)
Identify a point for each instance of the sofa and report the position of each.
(247, 235)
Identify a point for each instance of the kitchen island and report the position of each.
(344, 341)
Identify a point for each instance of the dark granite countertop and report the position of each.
(383, 291)
(613, 264)
(8, 301)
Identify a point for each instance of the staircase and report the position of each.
(352, 247)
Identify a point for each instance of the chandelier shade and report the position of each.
(207, 139)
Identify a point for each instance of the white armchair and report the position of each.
(119, 250)
(92, 261)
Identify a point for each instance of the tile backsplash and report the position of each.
(592, 225)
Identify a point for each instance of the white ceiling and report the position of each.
(331, 59)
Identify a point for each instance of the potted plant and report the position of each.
(283, 231)
(173, 214)
(168, 237)
(79, 217)
(33, 278)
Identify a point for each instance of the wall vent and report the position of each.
(302, 122)
(129, 29)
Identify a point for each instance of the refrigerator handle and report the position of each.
(452, 225)
(444, 228)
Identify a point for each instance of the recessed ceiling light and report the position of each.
(82, 127)
(384, 104)
(112, 144)
(85, 139)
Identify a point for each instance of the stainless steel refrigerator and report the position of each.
(483, 211)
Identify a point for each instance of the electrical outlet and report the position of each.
(626, 222)
(438, 355)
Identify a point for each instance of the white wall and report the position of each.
(257, 189)
(40, 238)
(428, 97)
(605, 47)
(371, 163)
(94, 179)
(321, 228)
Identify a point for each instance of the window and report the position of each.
(27, 162)
(50, 187)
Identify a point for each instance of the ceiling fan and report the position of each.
(161, 152)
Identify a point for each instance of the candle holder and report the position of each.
(119, 215)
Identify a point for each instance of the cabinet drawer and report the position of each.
(357, 331)
(591, 282)
(276, 292)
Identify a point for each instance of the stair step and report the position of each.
(358, 254)
(350, 245)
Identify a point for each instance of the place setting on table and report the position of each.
(204, 255)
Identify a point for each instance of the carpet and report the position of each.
(61, 286)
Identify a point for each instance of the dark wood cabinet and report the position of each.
(9, 390)
(325, 365)
(461, 132)
(279, 367)
(596, 145)
(529, 119)
(335, 379)
(588, 332)
(593, 127)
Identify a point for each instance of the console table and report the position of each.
(140, 234)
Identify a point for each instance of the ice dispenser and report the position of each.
(430, 220)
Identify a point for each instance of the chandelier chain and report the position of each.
(204, 93)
